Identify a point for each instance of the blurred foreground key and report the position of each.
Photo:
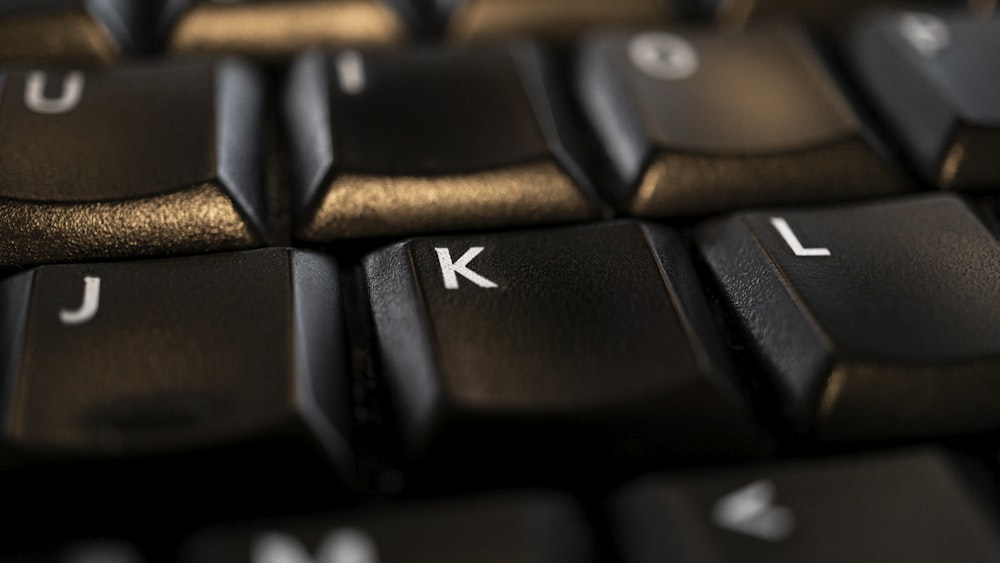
(224, 374)
(137, 161)
(554, 353)
(535, 527)
(484, 20)
(919, 506)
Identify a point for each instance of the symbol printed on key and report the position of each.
(342, 545)
(664, 56)
(88, 308)
(751, 511)
(928, 34)
(449, 269)
(792, 241)
(34, 93)
(351, 72)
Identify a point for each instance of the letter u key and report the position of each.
(34, 93)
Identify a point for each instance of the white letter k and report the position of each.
(449, 268)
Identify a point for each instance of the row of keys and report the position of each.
(932, 507)
(584, 351)
(484, 141)
(103, 31)
(501, 351)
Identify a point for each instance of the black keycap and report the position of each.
(221, 373)
(536, 527)
(279, 28)
(822, 13)
(872, 321)
(70, 31)
(937, 81)
(553, 19)
(697, 121)
(921, 506)
(530, 352)
(430, 139)
(137, 161)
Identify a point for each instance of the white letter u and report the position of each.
(34, 93)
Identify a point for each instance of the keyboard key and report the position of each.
(872, 321)
(935, 79)
(823, 13)
(698, 121)
(69, 31)
(221, 372)
(137, 161)
(536, 351)
(537, 527)
(554, 19)
(920, 506)
(279, 28)
(479, 142)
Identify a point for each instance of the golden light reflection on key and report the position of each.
(283, 28)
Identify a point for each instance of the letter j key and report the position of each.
(221, 372)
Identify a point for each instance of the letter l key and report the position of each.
(792, 241)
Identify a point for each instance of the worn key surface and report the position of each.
(872, 321)
(142, 160)
(553, 352)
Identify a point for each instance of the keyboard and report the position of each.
(553, 281)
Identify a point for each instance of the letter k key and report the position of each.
(449, 269)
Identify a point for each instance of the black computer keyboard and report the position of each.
(554, 281)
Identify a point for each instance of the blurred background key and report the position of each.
(936, 79)
(821, 15)
(71, 31)
(470, 20)
(696, 122)
(279, 28)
